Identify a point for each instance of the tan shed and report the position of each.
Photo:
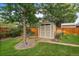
(47, 30)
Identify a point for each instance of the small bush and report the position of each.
(15, 32)
(59, 35)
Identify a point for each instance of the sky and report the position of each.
(2, 5)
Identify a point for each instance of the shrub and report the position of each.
(59, 35)
(15, 32)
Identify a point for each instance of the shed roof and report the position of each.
(46, 22)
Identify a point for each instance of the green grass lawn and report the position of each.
(74, 39)
(41, 49)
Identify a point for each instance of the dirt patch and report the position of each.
(25, 45)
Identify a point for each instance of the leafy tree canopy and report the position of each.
(16, 12)
(60, 13)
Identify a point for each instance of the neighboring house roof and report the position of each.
(68, 24)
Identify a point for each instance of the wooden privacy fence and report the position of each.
(4, 29)
(65, 30)
(4, 32)
(70, 30)
(33, 29)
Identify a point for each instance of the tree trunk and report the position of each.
(24, 31)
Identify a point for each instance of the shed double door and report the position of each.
(45, 31)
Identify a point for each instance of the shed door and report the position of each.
(42, 31)
(46, 31)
